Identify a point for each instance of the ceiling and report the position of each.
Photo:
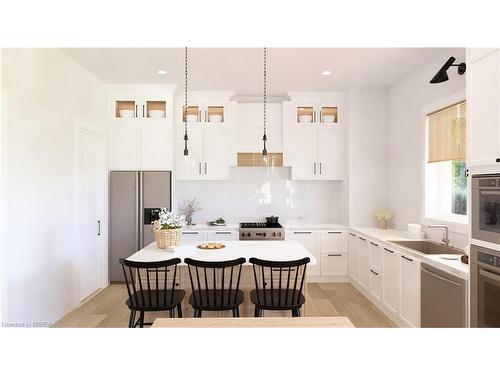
(241, 69)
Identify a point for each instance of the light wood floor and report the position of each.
(108, 309)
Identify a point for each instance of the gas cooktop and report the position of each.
(261, 231)
(259, 225)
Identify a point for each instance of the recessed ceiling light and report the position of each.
(161, 72)
(327, 73)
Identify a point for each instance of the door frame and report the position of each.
(82, 127)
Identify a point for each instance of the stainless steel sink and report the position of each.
(428, 247)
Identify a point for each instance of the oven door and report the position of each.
(486, 209)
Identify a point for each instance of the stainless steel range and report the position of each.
(261, 231)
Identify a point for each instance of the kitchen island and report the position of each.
(269, 250)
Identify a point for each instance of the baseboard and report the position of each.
(328, 279)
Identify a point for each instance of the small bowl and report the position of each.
(328, 119)
(156, 113)
(214, 118)
(191, 118)
(305, 118)
(127, 113)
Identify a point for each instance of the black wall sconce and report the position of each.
(442, 75)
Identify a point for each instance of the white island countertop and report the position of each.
(268, 250)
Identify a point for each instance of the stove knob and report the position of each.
(264, 234)
(248, 234)
(274, 234)
(242, 234)
(279, 234)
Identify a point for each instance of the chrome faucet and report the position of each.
(446, 238)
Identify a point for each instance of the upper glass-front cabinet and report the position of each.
(139, 108)
(197, 114)
(327, 115)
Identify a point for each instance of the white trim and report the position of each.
(458, 226)
(3, 194)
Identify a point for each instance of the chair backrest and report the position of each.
(279, 283)
(150, 283)
(215, 283)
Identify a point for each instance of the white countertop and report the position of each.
(287, 226)
(269, 250)
(455, 267)
(204, 226)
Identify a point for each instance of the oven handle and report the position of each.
(490, 275)
(489, 192)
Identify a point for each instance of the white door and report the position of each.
(330, 153)
(483, 96)
(218, 152)
(91, 190)
(305, 151)
(391, 282)
(364, 262)
(190, 167)
(410, 290)
(310, 241)
(353, 257)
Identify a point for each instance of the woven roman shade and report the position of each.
(447, 134)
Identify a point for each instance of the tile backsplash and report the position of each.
(253, 193)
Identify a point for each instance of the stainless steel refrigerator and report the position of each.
(135, 199)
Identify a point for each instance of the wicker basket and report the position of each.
(167, 237)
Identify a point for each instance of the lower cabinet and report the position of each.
(375, 275)
(334, 264)
(310, 240)
(410, 290)
(193, 237)
(391, 281)
(223, 235)
(353, 257)
(364, 263)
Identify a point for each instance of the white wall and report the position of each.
(46, 92)
(253, 193)
(367, 154)
(407, 99)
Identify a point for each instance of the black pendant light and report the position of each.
(442, 75)
(184, 112)
(264, 138)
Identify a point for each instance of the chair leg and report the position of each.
(298, 313)
(131, 321)
(294, 313)
(179, 311)
(141, 320)
(199, 313)
(236, 312)
(171, 313)
(195, 315)
(257, 312)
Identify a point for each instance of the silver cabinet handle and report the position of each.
(136, 110)
(222, 232)
(408, 259)
(205, 167)
(362, 239)
(319, 167)
(334, 255)
(314, 168)
(336, 232)
(189, 232)
(374, 244)
(98, 227)
(352, 234)
(372, 271)
(144, 114)
(441, 278)
(389, 250)
(302, 232)
(199, 167)
(490, 275)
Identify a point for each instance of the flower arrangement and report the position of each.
(188, 208)
(170, 220)
(383, 215)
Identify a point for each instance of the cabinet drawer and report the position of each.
(334, 241)
(192, 237)
(375, 256)
(376, 283)
(223, 235)
(334, 264)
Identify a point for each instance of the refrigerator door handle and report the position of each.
(140, 208)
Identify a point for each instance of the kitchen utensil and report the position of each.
(127, 113)
(328, 118)
(272, 220)
(156, 113)
(305, 118)
(214, 118)
(191, 118)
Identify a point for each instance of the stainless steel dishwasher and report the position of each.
(443, 299)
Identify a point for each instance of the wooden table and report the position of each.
(271, 322)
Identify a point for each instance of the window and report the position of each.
(445, 181)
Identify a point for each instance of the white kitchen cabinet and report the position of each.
(410, 290)
(310, 240)
(364, 262)
(391, 279)
(334, 241)
(353, 257)
(334, 264)
(223, 235)
(330, 153)
(124, 147)
(483, 115)
(190, 166)
(193, 237)
(156, 147)
(305, 154)
(375, 269)
(218, 153)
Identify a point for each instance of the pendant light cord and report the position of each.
(186, 152)
(264, 138)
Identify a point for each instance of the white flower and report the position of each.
(170, 220)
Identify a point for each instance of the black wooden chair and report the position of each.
(278, 285)
(215, 285)
(151, 286)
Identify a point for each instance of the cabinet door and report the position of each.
(330, 151)
(334, 264)
(333, 241)
(124, 147)
(391, 282)
(223, 235)
(156, 147)
(190, 167)
(305, 151)
(218, 152)
(410, 290)
(310, 241)
(364, 262)
(375, 256)
(375, 283)
(483, 115)
(353, 257)
(193, 237)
